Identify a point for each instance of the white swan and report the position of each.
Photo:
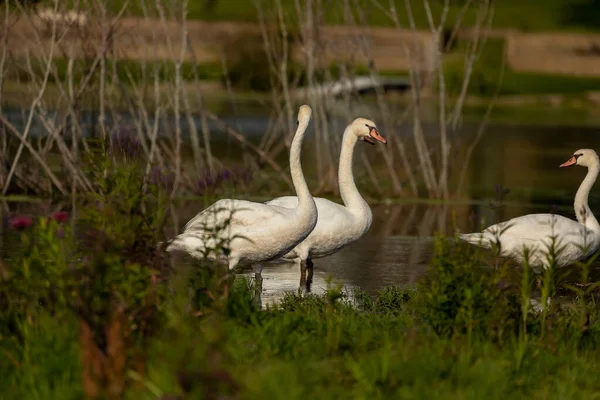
(338, 225)
(578, 239)
(253, 232)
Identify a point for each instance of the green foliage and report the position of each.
(324, 346)
(391, 299)
(249, 67)
(468, 329)
(120, 224)
(24, 3)
(526, 16)
(459, 296)
(128, 72)
(328, 347)
(41, 278)
(46, 365)
(487, 78)
(101, 274)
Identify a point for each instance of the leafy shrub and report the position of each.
(391, 299)
(460, 296)
(104, 273)
(248, 66)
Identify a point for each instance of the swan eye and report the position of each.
(297, 122)
(577, 155)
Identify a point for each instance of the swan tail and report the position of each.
(478, 239)
(190, 244)
(172, 245)
(166, 245)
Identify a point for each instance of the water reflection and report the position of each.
(279, 279)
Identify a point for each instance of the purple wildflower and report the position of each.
(125, 143)
(226, 175)
(212, 181)
(161, 179)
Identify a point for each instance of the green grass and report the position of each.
(340, 352)
(249, 70)
(550, 15)
(165, 326)
(487, 72)
(322, 347)
(459, 335)
(46, 366)
(530, 16)
(484, 79)
(128, 71)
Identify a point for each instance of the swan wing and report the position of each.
(535, 231)
(336, 227)
(287, 201)
(326, 209)
(534, 227)
(333, 219)
(230, 212)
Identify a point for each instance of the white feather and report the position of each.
(240, 231)
(571, 240)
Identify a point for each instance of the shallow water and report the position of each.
(367, 265)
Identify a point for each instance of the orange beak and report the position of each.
(374, 134)
(570, 161)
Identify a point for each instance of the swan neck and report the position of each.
(305, 199)
(348, 190)
(582, 210)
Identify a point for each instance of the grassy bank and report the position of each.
(553, 15)
(460, 335)
(90, 304)
(490, 76)
(130, 72)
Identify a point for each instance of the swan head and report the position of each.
(304, 114)
(366, 130)
(583, 157)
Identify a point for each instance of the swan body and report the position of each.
(337, 225)
(245, 232)
(536, 233)
(571, 240)
(336, 228)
